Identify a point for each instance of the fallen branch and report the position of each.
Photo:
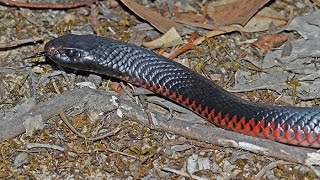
(93, 99)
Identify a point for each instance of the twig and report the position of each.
(52, 74)
(45, 5)
(94, 17)
(64, 118)
(269, 167)
(205, 12)
(12, 70)
(141, 91)
(55, 147)
(170, 115)
(315, 170)
(56, 87)
(20, 83)
(215, 32)
(182, 173)
(126, 90)
(111, 133)
(122, 153)
(202, 144)
(184, 48)
(7, 45)
(48, 146)
(152, 121)
(12, 125)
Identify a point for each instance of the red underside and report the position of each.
(239, 124)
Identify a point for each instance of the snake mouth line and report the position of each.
(38, 54)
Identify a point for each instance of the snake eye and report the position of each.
(71, 53)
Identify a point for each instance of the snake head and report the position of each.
(71, 50)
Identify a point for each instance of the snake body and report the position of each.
(136, 65)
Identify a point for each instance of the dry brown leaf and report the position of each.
(261, 21)
(234, 12)
(317, 2)
(169, 39)
(155, 19)
(267, 42)
(188, 16)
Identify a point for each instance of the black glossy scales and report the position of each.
(297, 126)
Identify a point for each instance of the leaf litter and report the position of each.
(112, 157)
(301, 64)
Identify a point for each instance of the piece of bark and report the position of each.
(11, 125)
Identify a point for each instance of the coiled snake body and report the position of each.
(128, 62)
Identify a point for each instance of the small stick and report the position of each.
(184, 48)
(122, 153)
(7, 45)
(48, 146)
(182, 173)
(269, 167)
(126, 90)
(46, 5)
(65, 119)
(94, 17)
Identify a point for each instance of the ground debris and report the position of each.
(108, 136)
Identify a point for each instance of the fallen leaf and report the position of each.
(266, 42)
(155, 19)
(234, 12)
(185, 6)
(169, 39)
(115, 86)
(20, 159)
(195, 163)
(32, 123)
(188, 17)
(317, 2)
(299, 62)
